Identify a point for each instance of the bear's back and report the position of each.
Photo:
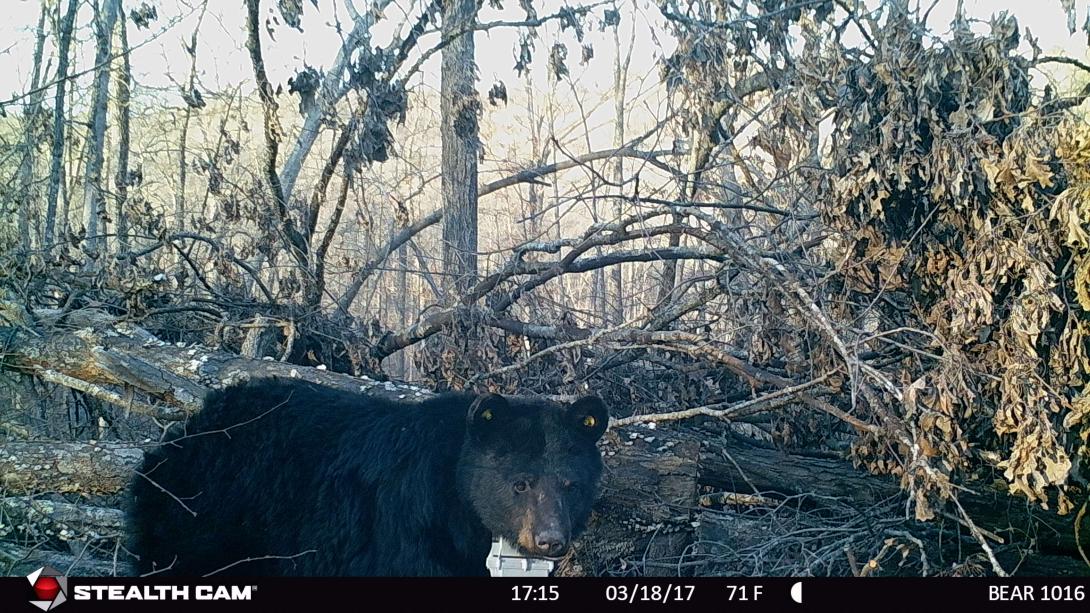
(287, 477)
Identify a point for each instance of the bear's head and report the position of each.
(530, 468)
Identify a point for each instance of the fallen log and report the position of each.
(18, 560)
(38, 517)
(124, 365)
(83, 468)
(742, 465)
(648, 516)
(645, 522)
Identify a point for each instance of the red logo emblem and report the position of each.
(50, 588)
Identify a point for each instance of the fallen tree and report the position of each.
(682, 498)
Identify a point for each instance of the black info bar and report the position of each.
(918, 595)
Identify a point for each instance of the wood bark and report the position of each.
(121, 177)
(63, 515)
(32, 116)
(187, 116)
(84, 468)
(460, 144)
(94, 201)
(56, 178)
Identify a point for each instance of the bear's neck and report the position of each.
(460, 541)
(465, 543)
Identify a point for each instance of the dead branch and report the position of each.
(110, 359)
(75, 519)
(401, 236)
(765, 402)
(103, 468)
(296, 242)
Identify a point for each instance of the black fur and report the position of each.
(282, 477)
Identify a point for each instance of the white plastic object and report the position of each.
(505, 560)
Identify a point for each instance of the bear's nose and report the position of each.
(551, 542)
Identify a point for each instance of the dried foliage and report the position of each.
(960, 211)
(948, 296)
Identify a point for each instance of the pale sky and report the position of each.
(223, 62)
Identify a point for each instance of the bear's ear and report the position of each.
(486, 410)
(589, 414)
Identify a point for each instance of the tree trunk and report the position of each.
(179, 194)
(294, 241)
(32, 115)
(403, 317)
(461, 145)
(73, 173)
(121, 178)
(620, 87)
(333, 89)
(56, 175)
(94, 202)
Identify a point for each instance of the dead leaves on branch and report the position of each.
(956, 196)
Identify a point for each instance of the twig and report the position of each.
(924, 571)
(991, 535)
(259, 558)
(168, 493)
(1059, 59)
(106, 395)
(979, 536)
(776, 398)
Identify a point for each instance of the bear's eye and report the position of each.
(486, 414)
(522, 486)
(589, 421)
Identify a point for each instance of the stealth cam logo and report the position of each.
(50, 587)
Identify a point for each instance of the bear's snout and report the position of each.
(551, 542)
(546, 530)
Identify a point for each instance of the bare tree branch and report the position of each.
(273, 134)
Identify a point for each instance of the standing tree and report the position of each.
(56, 177)
(94, 204)
(32, 121)
(620, 86)
(461, 145)
(121, 178)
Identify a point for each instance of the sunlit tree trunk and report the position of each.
(460, 137)
(620, 86)
(191, 104)
(121, 178)
(94, 202)
(27, 198)
(56, 174)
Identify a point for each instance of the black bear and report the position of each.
(283, 477)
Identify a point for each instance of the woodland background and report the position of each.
(828, 261)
